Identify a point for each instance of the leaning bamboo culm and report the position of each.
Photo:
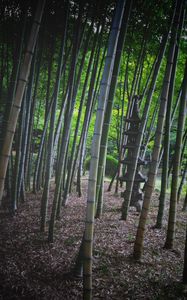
(104, 89)
(16, 106)
(176, 166)
(138, 246)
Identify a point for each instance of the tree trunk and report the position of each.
(72, 156)
(23, 77)
(88, 112)
(164, 180)
(16, 172)
(138, 246)
(50, 149)
(129, 187)
(185, 203)
(184, 278)
(104, 89)
(165, 164)
(66, 130)
(176, 166)
(26, 126)
(108, 112)
(182, 181)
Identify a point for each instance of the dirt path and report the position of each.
(30, 268)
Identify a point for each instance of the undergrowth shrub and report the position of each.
(111, 165)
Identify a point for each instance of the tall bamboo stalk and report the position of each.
(19, 136)
(138, 246)
(129, 187)
(66, 129)
(176, 166)
(184, 277)
(166, 151)
(28, 103)
(93, 86)
(182, 181)
(22, 81)
(165, 164)
(72, 157)
(50, 150)
(104, 89)
(108, 113)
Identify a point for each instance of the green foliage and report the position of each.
(111, 165)
(144, 16)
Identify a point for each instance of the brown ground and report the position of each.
(30, 268)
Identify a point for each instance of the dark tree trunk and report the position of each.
(184, 278)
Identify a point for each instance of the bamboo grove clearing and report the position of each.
(91, 90)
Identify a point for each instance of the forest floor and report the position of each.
(30, 268)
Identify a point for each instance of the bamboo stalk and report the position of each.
(16, 106)
(90, 210)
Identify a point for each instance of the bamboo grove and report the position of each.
(69, 73)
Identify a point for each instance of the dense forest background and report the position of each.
(95, 91)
